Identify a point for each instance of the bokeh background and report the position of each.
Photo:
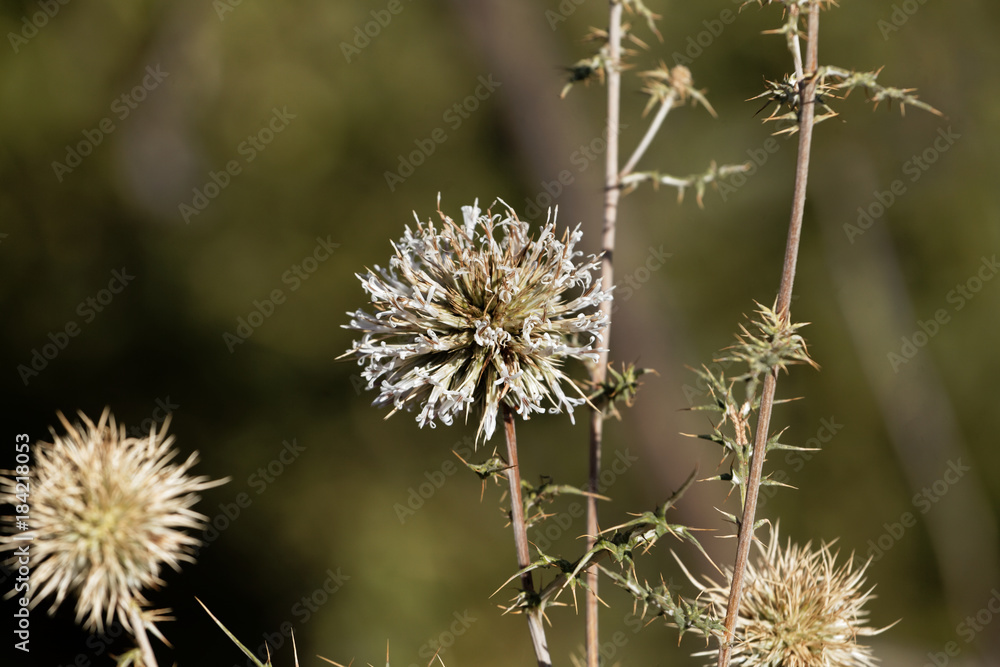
(119, 120)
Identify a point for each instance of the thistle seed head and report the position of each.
(107, 511)
(798, 609)
(472, 315)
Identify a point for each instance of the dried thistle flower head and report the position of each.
(798, 609)
(106, 512)
(474, 314)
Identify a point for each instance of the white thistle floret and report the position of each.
(107, 511)
(464, 319)
(798, 609)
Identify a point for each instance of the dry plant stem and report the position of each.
(148, 657)
(612, 192)
(807, 92)
(521, 539)
(665, 106)
(793, 45)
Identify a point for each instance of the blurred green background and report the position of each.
(218, 152)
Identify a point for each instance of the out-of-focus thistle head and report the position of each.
(798, 609)
(107, 511)
(472, 315)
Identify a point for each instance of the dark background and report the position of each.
(351, 114)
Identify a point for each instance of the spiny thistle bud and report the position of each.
(797, 610)
(472, 315)
(106, 512)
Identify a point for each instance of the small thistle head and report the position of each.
(798, 609)
(774, 346)
(107, 511)
(479, 314)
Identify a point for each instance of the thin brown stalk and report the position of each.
(807, 92)
(612, 192)
(661, 115)
(139, 631)
(535, 625)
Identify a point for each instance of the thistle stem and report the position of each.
(612, 193)
(661, 115)
(535, 626)
(807, 107)
(139, 632)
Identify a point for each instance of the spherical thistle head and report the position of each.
(798, 609)
(106, 512)
(472, 316)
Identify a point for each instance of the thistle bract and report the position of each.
(474, 315)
